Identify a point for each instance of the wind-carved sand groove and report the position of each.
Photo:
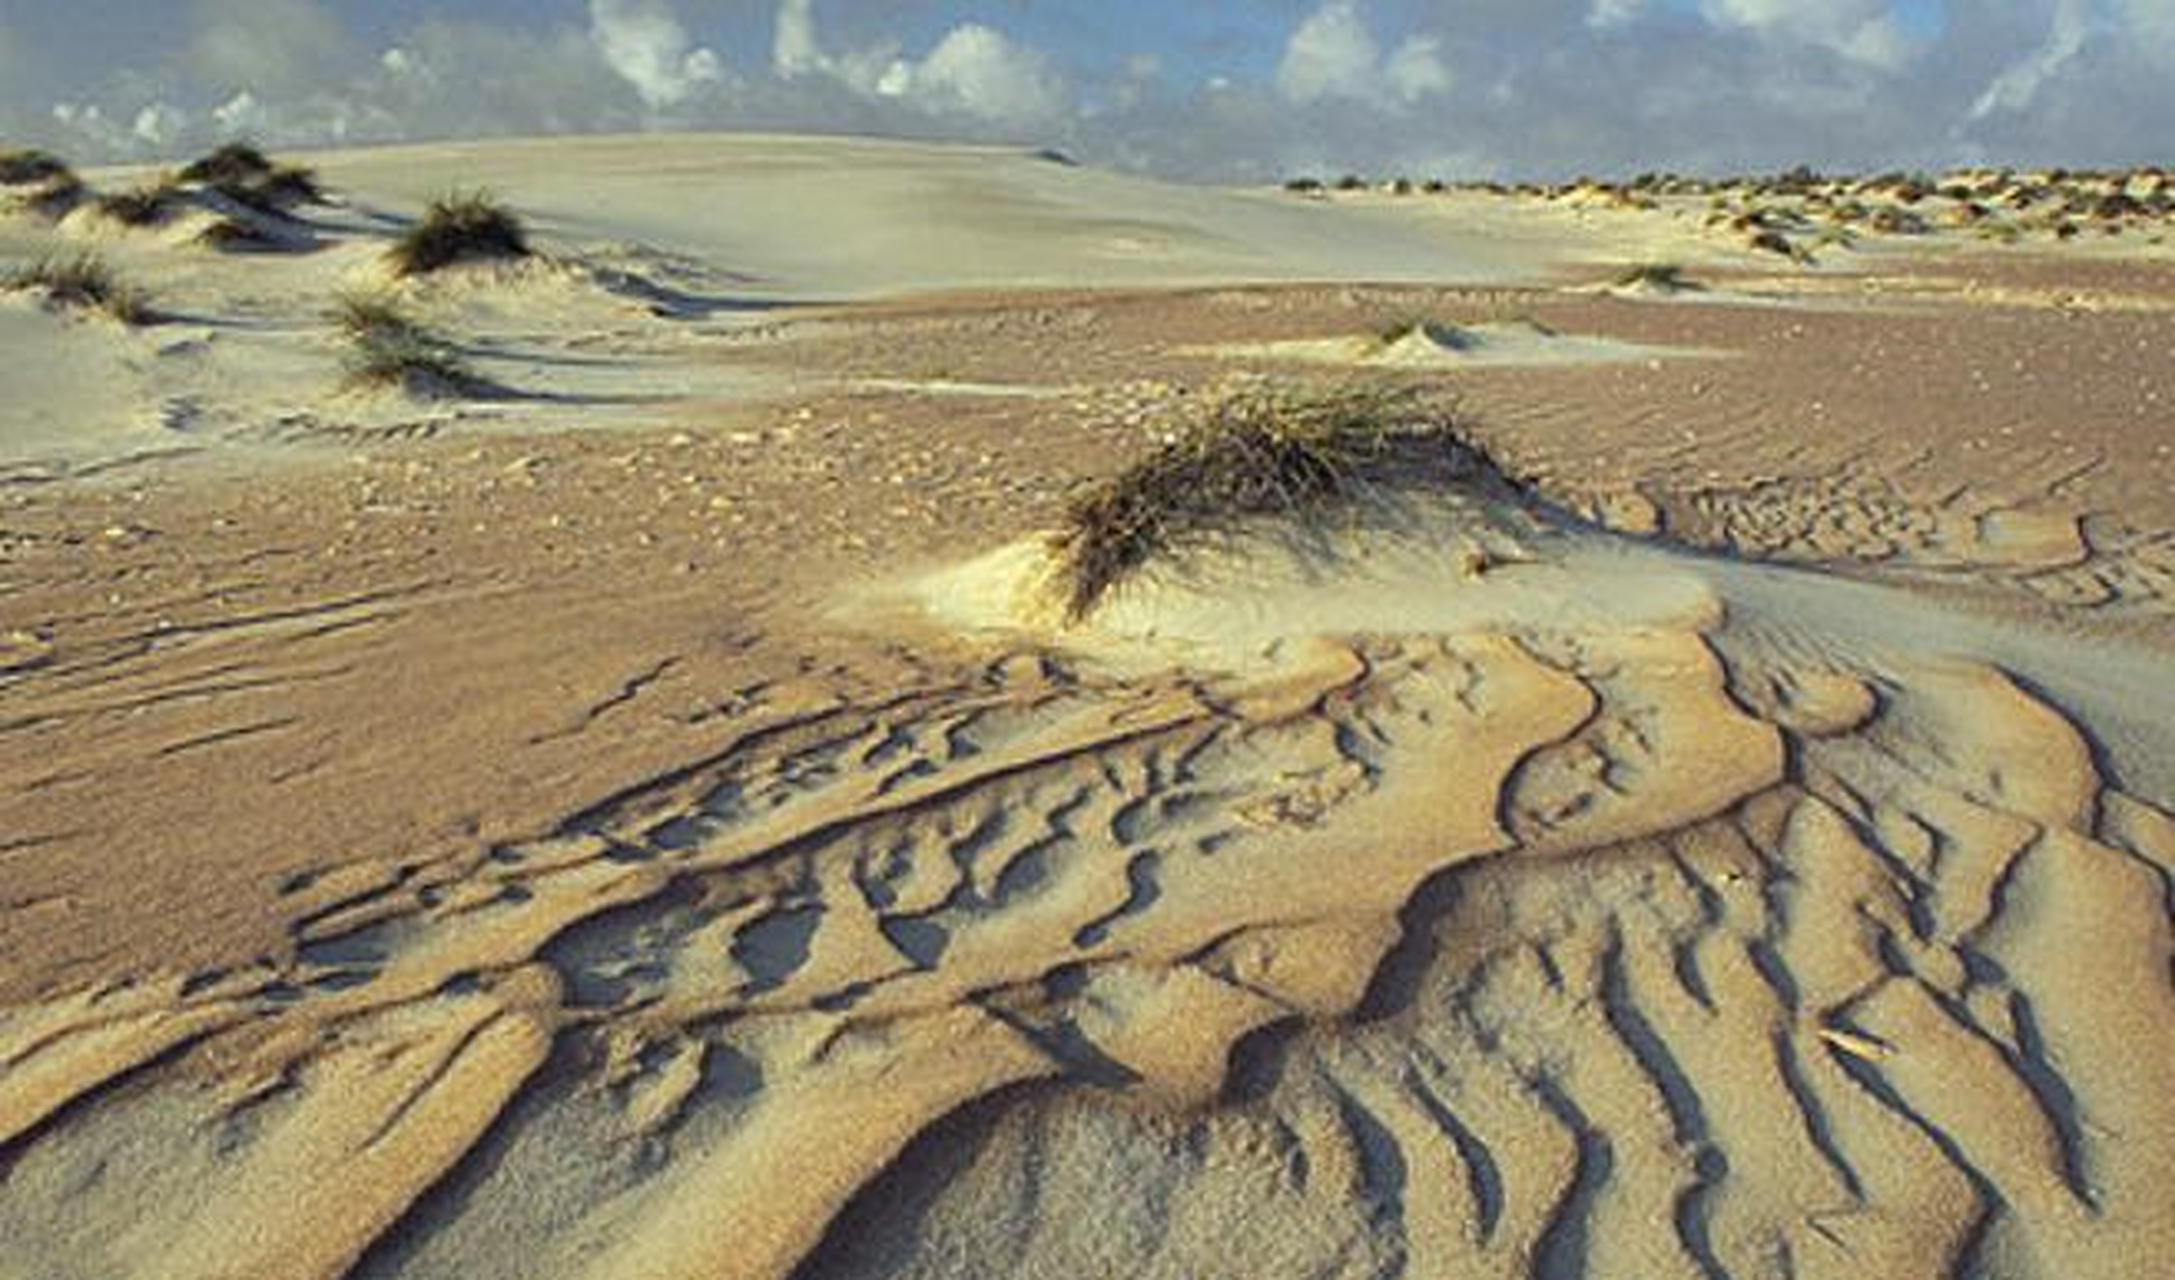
(1649, 951)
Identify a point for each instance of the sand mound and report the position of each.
(1570, 911)
(1431, 345)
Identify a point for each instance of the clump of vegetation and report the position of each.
(458, 229)
(31, 168)
(1664, 277)
(1441, 334)
(82, 282)
(56, 199)
(248, 177)
(1256, 455)
(146, 206)
(392, 349)
(234, 162)
(235, 235)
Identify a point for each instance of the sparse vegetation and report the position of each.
(1447, 335)
(234, 162)
(82, 282)
(458, 229)
(146, 206)
(248, 177)
(31, 168)
(1666, 277)
(235, 235)
(1260, 454)
(55, 198)
(392, 349)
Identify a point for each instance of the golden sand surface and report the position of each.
(472, 840)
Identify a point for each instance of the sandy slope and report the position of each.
(510, 850)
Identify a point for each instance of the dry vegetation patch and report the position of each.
(245, 175)
(1259, 454)
(80, 283)
(391, 349)
(458, 229)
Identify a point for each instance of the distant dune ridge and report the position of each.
(634, 791)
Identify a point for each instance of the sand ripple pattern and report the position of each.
(1646, 954)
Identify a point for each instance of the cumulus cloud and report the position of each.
(1535, 87)
(975, 72)
(644, 42)
(979, 71)
(1333, 55)
(2017, 84)
(1866, 31)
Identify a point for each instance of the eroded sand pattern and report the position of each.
(1767, 876)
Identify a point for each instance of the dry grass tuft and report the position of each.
(80, 283)
(1256, 455)
(1667, 277)
(234, 235)
(146, 206)
(392, 349)
(56, 198)
(31, 168)
(248, 177)
(457, 229)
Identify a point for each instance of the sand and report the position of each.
(646, 827)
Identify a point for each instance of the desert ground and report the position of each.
(628, 807)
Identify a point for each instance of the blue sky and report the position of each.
(1222, 89)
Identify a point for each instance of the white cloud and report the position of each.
(795, 49)
(643, 41)
(159, 124)
(2019, 83)
(975, 71)
(1864, 31)
(1333, 55)
(241, 115)
(1613, 13)
(979, 71)
(1416, 69)
(1547, 87)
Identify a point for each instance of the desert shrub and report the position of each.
(245, 175)
(391, 349)
(144, 206)
(56, 198)
(1256, 455)
(234, 162)
(31, 168)
(82, 282)
(1666, 276)
(457, 229)
(235, 235)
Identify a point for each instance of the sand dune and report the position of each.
(490, 844)
(1517, 942)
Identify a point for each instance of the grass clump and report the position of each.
(31, 168)
(234, 162)
(1667, 277)
(232, 235)
(391, 349)
(457, 229)
(146, 206)
(82, 283)
(56, 198)
(248, 177)
(1256, 455)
